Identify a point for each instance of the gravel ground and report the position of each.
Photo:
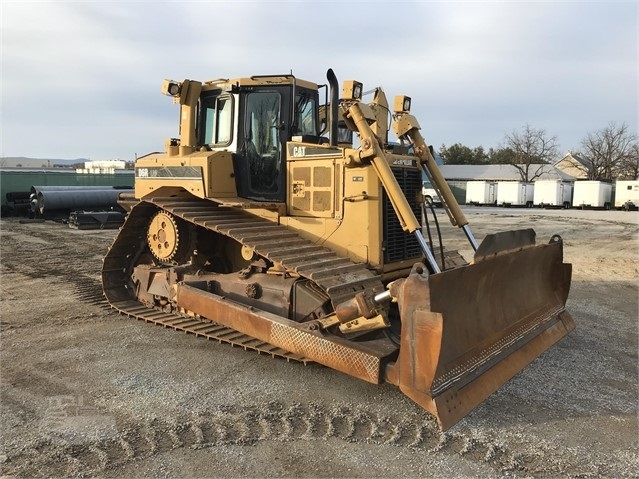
(86, 392)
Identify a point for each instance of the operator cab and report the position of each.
(254, 118)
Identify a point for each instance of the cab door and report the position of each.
(260, 156)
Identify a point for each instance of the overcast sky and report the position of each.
(82, 79)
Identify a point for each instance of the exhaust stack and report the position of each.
(332, 81)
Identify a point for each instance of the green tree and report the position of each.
(500, 156)
(459, 154)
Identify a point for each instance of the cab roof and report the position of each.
(258, 80)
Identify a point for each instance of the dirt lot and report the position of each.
(86, 392)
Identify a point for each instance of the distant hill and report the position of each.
(26, 162)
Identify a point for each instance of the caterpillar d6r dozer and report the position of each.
(265, 225)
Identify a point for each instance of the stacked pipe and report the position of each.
(73, 197)
(18, 203)
(90, 220)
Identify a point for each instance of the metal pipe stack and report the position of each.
(51, 198)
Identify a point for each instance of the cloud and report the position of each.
(83, 78)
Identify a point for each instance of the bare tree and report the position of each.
(629, 168)
(612, 152)
(532, 148)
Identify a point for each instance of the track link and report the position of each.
(206, 329)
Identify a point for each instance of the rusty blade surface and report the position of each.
(467, 331)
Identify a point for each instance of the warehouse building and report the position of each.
(457, 176)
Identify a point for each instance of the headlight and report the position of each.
(352, 90)
(171, 88)
(401, 104)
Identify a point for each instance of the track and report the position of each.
(339, 277)
(71, 456)
(205, 329)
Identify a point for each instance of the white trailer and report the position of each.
(481, 193)
(627, 194)
(592, 194)
(515, 193)
(553, 193)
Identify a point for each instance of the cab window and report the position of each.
(305, 114)
(216, 120)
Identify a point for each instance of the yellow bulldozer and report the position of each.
(283, 220)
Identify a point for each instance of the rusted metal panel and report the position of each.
(334, 352)
(467, 331)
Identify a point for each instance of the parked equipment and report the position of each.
(515, 193)
(553, 194)
(430, 194)
(592, 194)
(627, 194)
(255, 229)
(480, 193)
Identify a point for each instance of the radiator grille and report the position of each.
(398, 244)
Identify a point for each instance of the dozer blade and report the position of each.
(467, 331)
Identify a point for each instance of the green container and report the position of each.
(22, 179)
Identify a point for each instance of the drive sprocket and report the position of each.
(168, 237)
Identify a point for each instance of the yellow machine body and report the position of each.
(293, 227)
